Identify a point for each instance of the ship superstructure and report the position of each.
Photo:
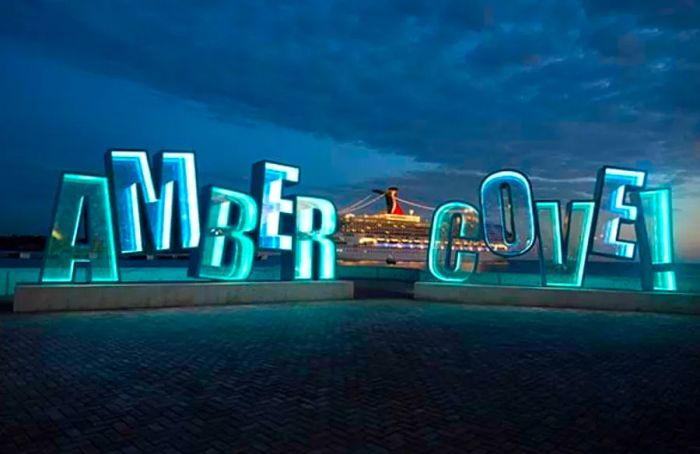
(390, 236)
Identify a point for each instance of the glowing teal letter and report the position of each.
(555, 271)
(316, 221)
(225, 251)
(87, 198)
(612, 210)
(266, 187)
(506, 203)
(655, 235)
(443, 241)
(132, 181)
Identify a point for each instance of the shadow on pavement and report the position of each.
(383, 289)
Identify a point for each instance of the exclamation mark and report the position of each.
(654, 230)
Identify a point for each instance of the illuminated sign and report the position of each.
(593, 227)
(146, 207)
(141, 208)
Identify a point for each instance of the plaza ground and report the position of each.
(361, 376)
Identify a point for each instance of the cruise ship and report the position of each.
(391, 236)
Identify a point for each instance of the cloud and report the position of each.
(676, 14)
(557, 88)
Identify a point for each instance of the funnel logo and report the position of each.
(593, 227)
(137, 208)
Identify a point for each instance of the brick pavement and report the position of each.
(366, 376)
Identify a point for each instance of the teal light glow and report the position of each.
(267, 183)
(226, 250)
(557, 271)
(549, 223)
(506, 202)
(611, 189)
(443, 242)
(313, 253)
(86, 198)
(132, 182)
(655, 231)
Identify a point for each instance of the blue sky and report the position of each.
(425, 95)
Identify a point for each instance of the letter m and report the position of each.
(168, 205)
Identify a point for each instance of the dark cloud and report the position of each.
(554, 85)
(678, 14)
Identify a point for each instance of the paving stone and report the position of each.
(366, 376)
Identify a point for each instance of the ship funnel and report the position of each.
(392, 200)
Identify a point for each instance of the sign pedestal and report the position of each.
(73, 297)
(562, 298)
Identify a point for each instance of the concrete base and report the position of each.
(613, 300)
(72, 297)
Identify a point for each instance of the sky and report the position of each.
(429, 96)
